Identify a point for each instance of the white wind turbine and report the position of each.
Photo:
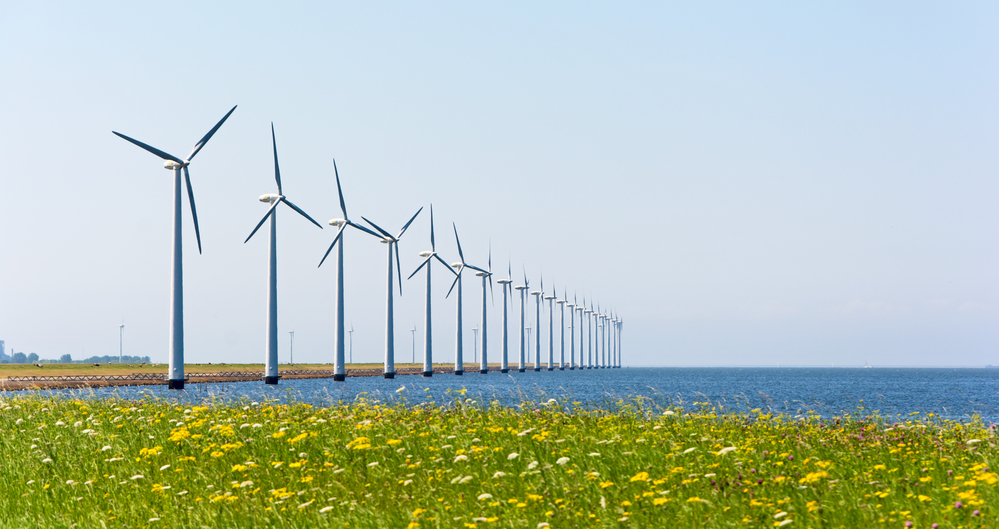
(484, 364)
(175, 374)
(589, 336)
(392, 243)
(428, 341)
(551, 329)
(271, 354)
(572, 332)
(561, 332)
(538, 294)
(506, 284)
(339, 370)
(460, 266)
(521, 367)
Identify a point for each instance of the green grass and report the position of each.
(150, 463)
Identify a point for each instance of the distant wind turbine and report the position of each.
(572, 332)
(551, 330)
(175, 373)
(428, 340)
(538, 294)
(521, 367)
(460, 266)
(506, 284)
(588, 364)
(392, 243)
(271, 358)
(339, 370)
(484, 365)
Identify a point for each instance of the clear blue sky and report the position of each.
(745, 183)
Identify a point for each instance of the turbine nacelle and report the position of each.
(482, 274)
(270, 198)
(520, 287)
(456, 265)
(171, 165)
(535, 293)
(504, 281)
(337, 222)
(426, 253)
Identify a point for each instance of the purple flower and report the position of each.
(958, 505)
(934, 526)
(790, 458)
(908, 523)
(759, 482)
(949, 472)
(976, 513)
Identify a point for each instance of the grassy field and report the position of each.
(150, 463)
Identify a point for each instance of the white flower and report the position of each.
(46, 460)
(70, 482)
(245, 484)
(780, 515)
(512, 456)
(461, 457)
(19, 421)
(304, 505)
(137, 476)
(60, 423)
(710, 475)
(689, 450)
(973, 441)
(465, 479)
(552, 402)
(30, 482)
(594, 454)
(485, 496)
(154, 519)
(326, 509)
(543, 524)
(562, 461)
(373, 464)
(726, 450)
(532, 465)
(401, 389)
(77, 424)
(668, 412)
(785, 522)
(525, 432)
(407, 482)
(499, 475)
(164, 467)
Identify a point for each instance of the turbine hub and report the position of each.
(269, 198)
(338, 222)
(171, 165)
(455, 265)
(504, 281)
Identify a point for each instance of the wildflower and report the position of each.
(498, 475)
(659, 501)
(326, 509)
(512, 456)
(164, 467)
(782, 524)
(137, 476)
(105, 448)
(401, 389)
(154, 520)
(532, 465)
(594, 454)
(418, 512)
(373, 464)
(485, 496)
(562, 461)
(726, 450)
(47, 460)
(605, 484)
(542, 525)
(641, 476)
(461, 457)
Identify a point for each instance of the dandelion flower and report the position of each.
(562, 461)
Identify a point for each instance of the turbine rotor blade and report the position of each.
(277, 170)
(339, 190)
(433, 246)
(444, 263)
(150, 148)
(194, 210)
(270, 212)
(300, 212)
(424, 263)
(362, 228)
(375, 226)
(332, 244)
(476, 269)
(457, 277)
(398, 267)
(208, 136)
(459, 243)
(406, 227)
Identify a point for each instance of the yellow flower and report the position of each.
(418, 512)
(218, 454)
(641, 476)
(238, 468)
(605, 484)
(278, 435)
(659, 501)
(393, 442)
(924, 479)
(923, 497)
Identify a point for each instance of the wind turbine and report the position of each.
(271, 358)
(561, 332)
(588, 362)
(121, 339)
(523, 295)
(351, 331)
(504, 285)
(291, 347)
(428, 342)
(551, 330)
(391, 242)
(484, 365)
(175, 374)
(339, 371)
(459, 366)
(572, 332)
(538, 294)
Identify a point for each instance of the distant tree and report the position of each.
(66, 359)
(19, 358)
(32, 358)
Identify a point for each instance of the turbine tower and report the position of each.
(572, 332)
(523, 301)
(538, 294)
(460, 266)
(588, 364)
(428, 342)
(506, 284)
(339, 370)
(561, 332)
(271, 353)
(392, 244)
(484, 365)
(551, 331)
(175, 374)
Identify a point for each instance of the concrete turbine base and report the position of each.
(339, 378)
(428, 374)
(389, 375)
(175, 384)
(271, 380)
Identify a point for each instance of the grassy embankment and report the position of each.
(150, 463)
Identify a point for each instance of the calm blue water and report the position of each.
(952, 393)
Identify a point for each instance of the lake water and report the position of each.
(951, 393)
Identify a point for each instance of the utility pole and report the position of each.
(475, 344)
(291, 349)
